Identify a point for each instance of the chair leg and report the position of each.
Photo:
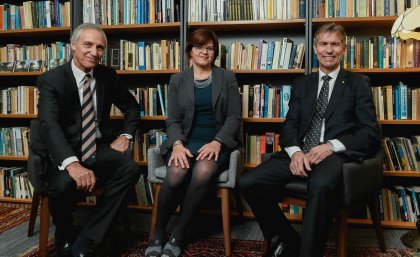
(226, 220)
(154, 210)
(34, 212)
(265, 247)
(374, 213)
(44, 227)
(341, 233)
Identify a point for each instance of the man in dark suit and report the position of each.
(74, 107)
(331, 120)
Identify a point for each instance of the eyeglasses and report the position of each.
(210, 49)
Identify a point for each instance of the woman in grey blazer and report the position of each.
(203, 127)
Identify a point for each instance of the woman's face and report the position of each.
(203, 55)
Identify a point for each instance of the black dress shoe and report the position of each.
(64, 249)
(283, 249)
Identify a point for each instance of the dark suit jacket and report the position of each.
(226, 108)
(350, 116)
(60, 113)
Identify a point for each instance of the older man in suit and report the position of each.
(331, 120)
(74, 106)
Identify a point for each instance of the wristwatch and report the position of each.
(331, 145)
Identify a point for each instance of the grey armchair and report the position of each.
(225, 182)
(361, 182)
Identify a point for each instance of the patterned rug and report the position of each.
(214, 247)
(12, 215)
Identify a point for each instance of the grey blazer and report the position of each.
(226, 108)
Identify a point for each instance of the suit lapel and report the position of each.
(72, 83)
(100, 91)
(216, 86)
(311, 96)
(189, 77)
(337, 92)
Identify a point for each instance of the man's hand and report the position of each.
(85, 178)
(179, 156)
(120, 144)
(319, 153)
(299, 163)
(209, 150)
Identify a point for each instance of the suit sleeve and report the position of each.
(233, 119)
(289, 135)
(364, 136)
(126, 102)
(174, 121)
(48, 116)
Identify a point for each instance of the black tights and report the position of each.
(192, 184)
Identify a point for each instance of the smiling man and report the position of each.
(331, 121)
(74, 106)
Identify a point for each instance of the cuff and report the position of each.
(292, 150)
(67, 161)
(128, 136)
(338, 146)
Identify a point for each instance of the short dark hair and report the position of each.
(199, 37)
(331, 27)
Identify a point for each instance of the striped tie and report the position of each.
(88, 124)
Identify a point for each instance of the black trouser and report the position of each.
(115, 172)
(262, 188)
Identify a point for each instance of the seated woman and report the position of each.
(203, 128)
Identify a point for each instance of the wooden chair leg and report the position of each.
(374, 213)
(341, 233)
(265, 247)
(154, 210)
(34, 212)
(44, 227)
(226, 220)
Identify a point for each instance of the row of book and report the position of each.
(19, 100)
(153, 100)
(127, 55)
(284, 54)
(111, 12)
(265, 101)
(360, 8)
(14, 141)
(143, 141)
(381, 52)
(401, 153)
(400, 203)
(49, 56)
(236, 10)
(398, 102)
(257, 145)
(144, 192)
(14, 183)
(34, 14)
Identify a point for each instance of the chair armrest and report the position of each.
(154, 161)
(362, 180)
(236, 167)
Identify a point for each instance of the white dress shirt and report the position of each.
(338, 146)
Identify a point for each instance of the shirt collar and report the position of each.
(333, 74)
(78, 74)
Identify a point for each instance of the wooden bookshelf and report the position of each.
(263, 120)
(381, 70)
(13, 158)
(146, 72)
(18, 116)
(141, 163)
(15, 200)
(250, 25)
(402, 173)
(21, 73)
(275, 71)
(400, 122)
(141, 28)
(36, 32)
(357, 22)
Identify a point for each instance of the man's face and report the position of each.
(88, 50)
(329, 50)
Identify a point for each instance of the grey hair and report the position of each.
(331, 27)
(84, 26)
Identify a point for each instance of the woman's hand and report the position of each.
(179, 156)
(209, 150)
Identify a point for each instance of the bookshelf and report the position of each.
(245, 31)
